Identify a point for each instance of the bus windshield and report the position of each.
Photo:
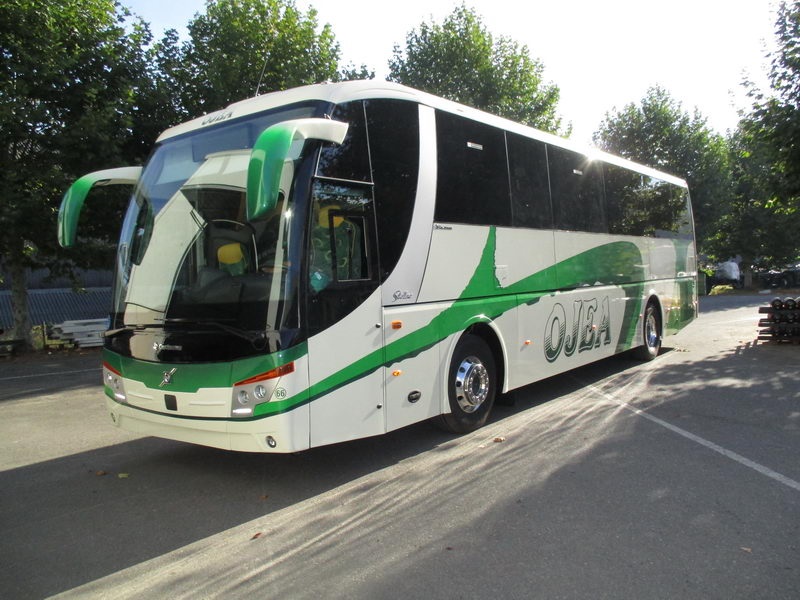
(188, 259)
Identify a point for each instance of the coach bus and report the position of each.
(342, 260)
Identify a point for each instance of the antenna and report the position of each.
(263, 69)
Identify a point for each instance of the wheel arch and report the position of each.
(490, 333)
(649, 348)
(652, 298)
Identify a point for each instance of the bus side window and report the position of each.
(576, 184)
(342, 265)
(321, 262)
(339, 236)
(349, 246)
(530, 188)
(350, 159)
(394, 153)
(472, 173)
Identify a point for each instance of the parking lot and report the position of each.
(676, 478)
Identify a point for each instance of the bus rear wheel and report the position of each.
(651, 332)
(471, 386)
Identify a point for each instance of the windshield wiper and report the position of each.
(129, 328)
(257, 338)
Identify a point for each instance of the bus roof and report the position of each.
(336, 93)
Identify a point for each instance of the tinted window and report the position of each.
(341, 251)
(339, 234)
(350, 160)
(626, 203)
(394, 145)
(576, 184)
(646, 206)
(472, 181)
(530, 190)
(669, 211)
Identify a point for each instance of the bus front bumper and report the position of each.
(282, 433)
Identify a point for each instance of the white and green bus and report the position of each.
(342, 260)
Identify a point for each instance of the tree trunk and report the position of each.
(19, 302)
(748, 277)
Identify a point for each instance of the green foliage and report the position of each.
(659, 133)
(158, 100)
(69, 78)
(773, 125)
(240, 46)
(83, 88)
(764, 219)
(350, 72)
(460, 60)
(758, 227)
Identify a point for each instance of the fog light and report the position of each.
(271, 442)
(243, 398)
(113, 382)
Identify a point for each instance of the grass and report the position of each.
(719, 290)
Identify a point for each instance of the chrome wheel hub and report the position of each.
(471, 384)
(651, 330)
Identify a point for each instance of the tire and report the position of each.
(651, 334)
(471, 386)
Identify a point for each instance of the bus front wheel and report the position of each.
(651, 332)
(471, 385)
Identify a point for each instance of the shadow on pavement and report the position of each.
(81, 517)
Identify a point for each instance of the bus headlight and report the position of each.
(255, 390)
(112, 380)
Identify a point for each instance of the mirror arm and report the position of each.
(271, 150)
(72, 202)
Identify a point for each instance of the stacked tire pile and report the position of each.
(781, 322)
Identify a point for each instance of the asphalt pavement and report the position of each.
(676, 478)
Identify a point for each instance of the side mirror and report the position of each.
(72, 203)
(270, 152)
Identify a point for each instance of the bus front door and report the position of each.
(346, 350)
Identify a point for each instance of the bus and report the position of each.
(338, 261)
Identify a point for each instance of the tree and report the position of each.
(68, 79)
(659, 133)
(158, 99)
(765, 217)
(460, 60)
(350, 72)
(774, 122)
(760, 229)
(242, 47)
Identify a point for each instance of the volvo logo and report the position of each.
(158, 347)
(167, 377)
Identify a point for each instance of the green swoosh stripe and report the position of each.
(482, 300)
